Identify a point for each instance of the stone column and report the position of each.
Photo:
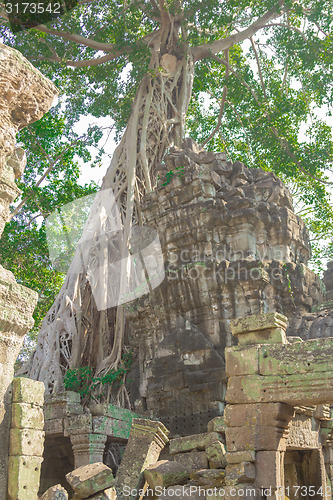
(88, 448)
(147, 439)
(25, 96)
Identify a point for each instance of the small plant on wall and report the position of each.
(90, 388)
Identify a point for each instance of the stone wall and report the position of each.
(232, 247)
(25, 96)
(273, 387)
(26, 439)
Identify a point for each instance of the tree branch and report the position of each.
(234, 72)
(293, 28)
(206, 50)
(78, 64)
(45, 174)
(81, 40)
(259, 67)
(223, 100)
(239, 119)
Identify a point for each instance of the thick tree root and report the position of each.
(74, 332)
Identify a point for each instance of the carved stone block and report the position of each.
(90, 479)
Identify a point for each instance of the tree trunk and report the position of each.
(74, 333)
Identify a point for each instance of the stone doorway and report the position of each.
(58, 461)
(303, 475)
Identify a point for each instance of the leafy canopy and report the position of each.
(262, 92)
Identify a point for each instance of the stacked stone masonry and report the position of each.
(273, 387)
(26, 439)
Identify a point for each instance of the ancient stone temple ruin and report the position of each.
(233, 247)
(232, 378)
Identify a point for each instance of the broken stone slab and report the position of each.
(112, 420)
(56, 492)
(192, 461)
(166, 473)
(90, 479)
(26, 390)
(27, 416)
(210, 478)
(23, 477)
(217, 424)
(147, 439)
(196, 441)
(216, 455)
(28, 442)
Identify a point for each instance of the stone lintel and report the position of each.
(115, 412)
(315, 355)
(297, 389)
(257, 323)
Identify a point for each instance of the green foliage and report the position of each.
(179, 171)
(82, 379)
(23, 247)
